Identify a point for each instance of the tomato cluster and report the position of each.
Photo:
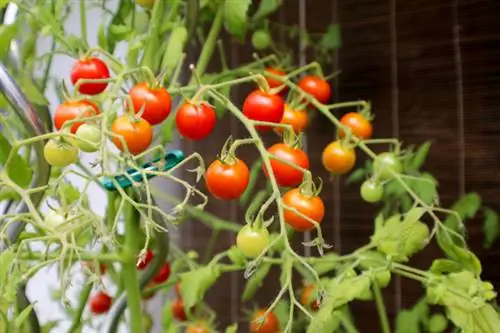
(262, 323)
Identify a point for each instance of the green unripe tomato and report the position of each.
(60, 154)
(252, 241)
(146, 3)
(383, 278)
(386, 164)
(437, 323)
(371, 191)
(147, 322)
(88, 138)
(261, 39)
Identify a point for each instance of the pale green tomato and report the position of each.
(383, 278)
(386, 164)
(261, 39)
(437, 323)
(61, 154)
(89, 138)
(252, 241)
(371, 191)
(53, 219)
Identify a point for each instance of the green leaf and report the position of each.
(235, 16)
(118, 32)
(466, 207)
(466, 258)
(326, 263)
(102, 39)
(7, 34)
(325, 321)
(414, 215)
(425, 188)
(49, 326)
(419, 158)
(232, 329)
(19, 170)
(332, 39)
(407, 322)
(491, 227)
(194, 284)
(266, 8)
(237, 257)
(255, 281)
(356, 176)
(6, 258)
(33, 93)
(282, 311)
(4, 3)
(23, 316)
(440, 266)
(167, 317)
(173, 52)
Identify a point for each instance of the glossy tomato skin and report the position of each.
(371, 191)
(141, 265)
(163, 274)
(100, 303)
(274, 82)
(269, 325)
(178, 311)
(287, 175)
(309, 298)
(227, 181)
(90, 68)
(157, 102)
(316, 87)
(138, 135)
(195, 122)
(61, 154)
(262, 106)
(338, 159)
(358, 124)
(88, 138)
(310, 206)
(252, 241)
(298, 119)
(71, 110)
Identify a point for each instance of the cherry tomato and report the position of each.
(156, 102)
(195, 122)
(137, 134)
(252, 241)
(89, 138)
(261, 39)
(197, 328)
(310, 206)
(91, 266)
(60, 153)
(90, 69)
(309, 297)
(386, 164)
(383, 278)
(316, 87)
(178, 310)
(100, 303)
(163, 274)
(72, 110)
(338, 158)
(298, 119)
(146, 3)
(270, 324)
(262, 106)
(285, 174)
(227, 181)
(274, 82)
(371, 191)
(358, 124)
(145, 260)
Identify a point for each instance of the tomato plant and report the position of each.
(100, 303)
(72, 111)
(89, 138)
(252, 240)
(227, 180)
(308, 208)
(386, 165)
(284, 163)
(265, 107)
(371, 191)
(137, 134)
(358, 124)
(154, 103)
(297, 119)
(195, 121)
(178, 310)
(264, 323)
(61, 153)
(338, 158)
(89, 70)
(144, 261)
(317, 88)
(309, 298)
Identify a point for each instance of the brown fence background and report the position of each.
(431, 69)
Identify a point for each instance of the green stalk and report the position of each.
(154, 30)
(77, 317)
(129, 269)
(382, 313)
(83, 22)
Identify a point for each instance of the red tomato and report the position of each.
(227, 181)
(269, 325)
(195, 122)
(178, 289)
(100, 303)
(298, 119)
(274, 82)
(310, 206)
(72, 110)
(90, 69)
(360, 127)
(286, 175)
(309, 299)
(262, 106)
(92, 267)
(197, 328)
(163, 274)
(338, 158)
(145, 261)
(316, 87)
(178, 310)
(138, 135)
(156, 102)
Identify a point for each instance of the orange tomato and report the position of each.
(137, 134)
(298, 119)
(338, 159)
(311, 206)
(307, 299)
(359, 125)
(274, 82)
(269, 325)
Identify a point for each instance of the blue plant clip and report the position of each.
(172, 158)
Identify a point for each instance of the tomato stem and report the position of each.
(382, 313)
(83, 22)
(84, 296)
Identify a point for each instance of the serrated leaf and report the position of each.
(235, 16)
(194, 284)
(491, 227)
(440, 266)
(466, 258)
(466, 207)
(266, 8)
(255, 281)
(326, 264)
(19, 170)
(7, 34)
(419, 158)
(332, 39)
(413, 215)
(426, 188)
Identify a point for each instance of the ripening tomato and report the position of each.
(227, 181)
(262, 106)
(310, 206)
(137, 134)
(145, 260)
(338, 158)
(285, 174)
(72, 110)
(163, 274)
(358, 124)
(269, 324)
(386, 164)
(100, 303)
(371, 191)
(61, 153)
(298, 119)
(90, 69)
(275, 82)
(146, 3)
(92, 267)
(194, 121)
(148, 295)
(309, 297)
(88, 138)
(316, 87)
(197, 328)
(261, 39)
(178, 311)
(156, 102)
(252, 241)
